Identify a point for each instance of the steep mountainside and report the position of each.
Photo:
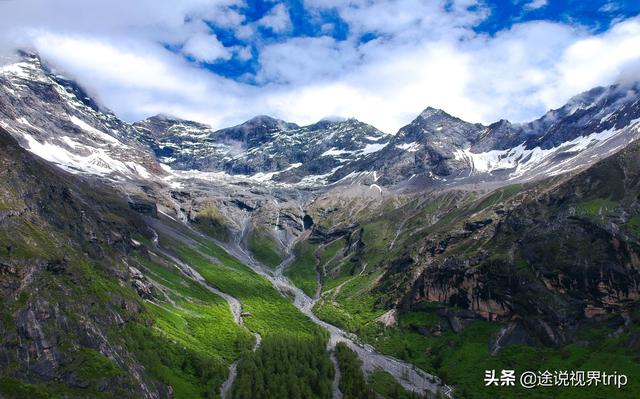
(461, 280)
(264, 147)
(66, 288)
(456, 247)
(436, 147)
(56, 119)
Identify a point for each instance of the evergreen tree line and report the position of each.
(352, 381)
(169, 362)
(353, 384)
(285, 367)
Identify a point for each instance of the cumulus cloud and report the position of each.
(417, 54)
(277, 19)
(535, 4)
(205, 48)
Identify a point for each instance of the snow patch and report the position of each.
(523, 160)
(263, 177)
(98, 162)
(90, 129)
(409, 147)
(371, 148)
(334, 152)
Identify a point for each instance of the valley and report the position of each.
(164, 258)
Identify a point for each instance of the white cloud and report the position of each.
(277, 19)
(535, 4)
(205, 48)
(608, 7)
(421, 55)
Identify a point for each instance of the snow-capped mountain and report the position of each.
(438, 148)
(189, 145)
(56, 119)
(263, 147)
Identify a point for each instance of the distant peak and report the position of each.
(166, 117)
(27, 55)
(333, 122)
(268, 121)
(262, 118)
(333, 119)
(500, 123)
(431, 112)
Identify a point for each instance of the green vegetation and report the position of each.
(265, 249)
(193, 316)
(384, 384)
(461, 358)
(271, 313)
(633, 225)
(302, 271)
(212, 222)
(12, 388)
(285, 367)
(353, 306)
(24, 239)
(352, 382)
(330, 250)
(89, 364)
(190, 374)
(598, 208)
(376, 237)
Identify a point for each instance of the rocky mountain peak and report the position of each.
(163, 125)
(57, 120)
(266, 122)
(254, 132)
(595, 110)
(438, 129)
(430, 112)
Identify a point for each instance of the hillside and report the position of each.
(166, 258)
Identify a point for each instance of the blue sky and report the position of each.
(381, 61)
(595, 15)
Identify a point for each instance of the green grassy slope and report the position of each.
(66, 285)
(565, 231)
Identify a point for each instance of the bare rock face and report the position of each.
(389, 318)
(40, 348)
(143, 206)
(143, 287)
(551, 261)
(56, 119)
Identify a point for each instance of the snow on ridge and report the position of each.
(374, 147)
(98, 162)
(315, 180)
(523, 160)
(22, 70)
(266, 176)
(409, 147)
(335, 152)
(95, 132)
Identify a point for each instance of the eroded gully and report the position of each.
(234, 305)
(407, 375)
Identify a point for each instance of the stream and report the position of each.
(410, 377)
(234, 305)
